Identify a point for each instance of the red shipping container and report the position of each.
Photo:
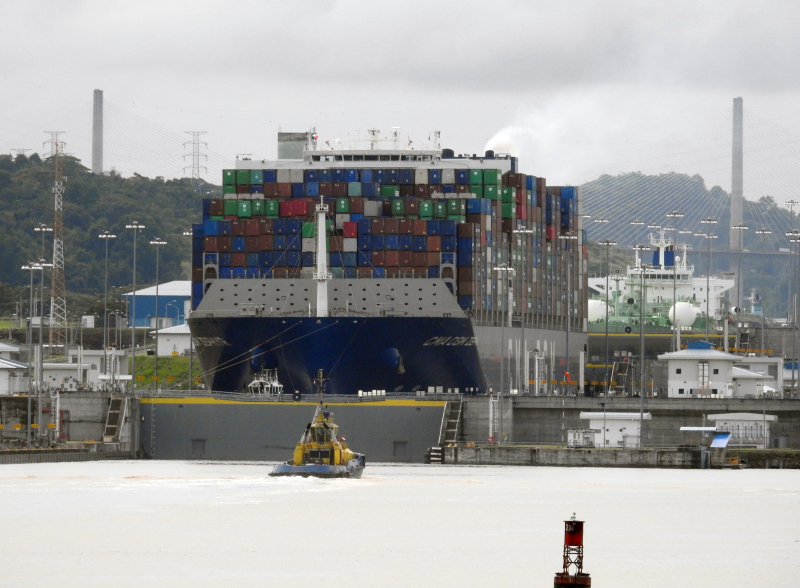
(284, 190)
(238, 228)
(551, 232)
(251, 244)
(239, 259)
(434, 243)
(339, 189)
(466, 230)
(522, 212)
(265, 243)
(286, 207)
(216, 207)
(231, 218)
(364, 272)
(422, 190)
(391, 226)
(300, 207)
(357, 205)
(280, 272)
(378, 258)
(535, 214)
(265, 226)
(433, 258)
(584, 249)
(412, 207)
(270, 189)
(406, 227)
(462, 188)
(420, 227)
(420, 258)
(252, 227)
(326, 188)
(406, 190)
(378, 226)
(465, 274)
(522, 196)
(483, 238)
(243, 189)
(464, 288)
(350, 229)
(392, 258)
(420, 272)
(210, 244)
(197, 274)
(393, 272)
(406, 258)
(335, 245)
(225, 244)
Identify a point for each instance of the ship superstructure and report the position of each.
(668, 286)
(388, 268)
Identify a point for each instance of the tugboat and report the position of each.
(321, 453)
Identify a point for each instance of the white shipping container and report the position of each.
(372, 209)
(307, 273)
(439, 195)
(448, 176)
(341, 219)
(283, 176)
(421, 176)
(296, 176)
(309, 245)
(349, 245)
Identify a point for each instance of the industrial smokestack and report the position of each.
(97, 133)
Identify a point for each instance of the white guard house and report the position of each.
(13, 377)
(173, 340)
(748, 429)
(622, 428)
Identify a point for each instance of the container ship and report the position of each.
(379, 267)
(384, 280)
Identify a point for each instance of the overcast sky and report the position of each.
(574, 88)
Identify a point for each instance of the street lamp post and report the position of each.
(674, 216)
(741, 229)
(137, 228)
(106, 236)
(524, 312)
(709, 221)
(608, 244)
(188, 233)
(569, 300)
(158, 243)
(763, 234)
(795, 238)
(509, 271)
(30, 267)
(642, 302)
(40, 370)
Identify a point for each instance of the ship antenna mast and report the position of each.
(322, 276)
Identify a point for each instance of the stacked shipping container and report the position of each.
(455, 224)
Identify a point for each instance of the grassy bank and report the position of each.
(173, 372)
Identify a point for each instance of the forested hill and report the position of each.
(92, 204)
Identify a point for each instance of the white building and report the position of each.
(710, 373)
(9, 351)
(13, 377)
(622, 429)
(96, 374)
(748, 429)
(173, 340)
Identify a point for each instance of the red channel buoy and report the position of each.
(573, 557)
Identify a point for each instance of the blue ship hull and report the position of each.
(374, 353)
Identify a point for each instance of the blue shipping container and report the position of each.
(336, 259)
(206, 207)
(310, 175)
(392, 242)
(464, 259)
(350, 175)
(225, 272)
(293, 226)
(448, 258)
(197, 288)
(349, 259)
(364, 226)
(420, 243)
(368, 189)
(434, 176)
(238, 273)
(308, 259)
(364, 258)
(465, 244)
(211, 258)
(462, 176)
(297, 190)
(312, 189)
(378, 242)
(392, 177)
(265, 258)
(324, 175)
(365, 242)
(379, 176)
(433, 271)
(238, 244)
(448, 243)
(366, 176)
(406, 176)
(252, 259)
(448, 188)
(270, 176)
(225, 259)
(279, 243)
(257, 189)
(465, 302)
(568, 192)
(434, 228)
(447, 227)
(293, 258)
(337, 175)
(406, 242)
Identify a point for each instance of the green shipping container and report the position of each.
(330, 227)
(425, 209)
(256, 176)
(272, 207)
(491, 192)
(509, 196)
(242, 176)
(309, 230)
(398, 207)
(259, 208)
(244, 209)
(342, 206)
(476, 176)
(509, 210)
(452, 206)
(354, 189)
(217, 217)
(231, 207)
(229, 177)
(229, 189)
(477, 190)
(390, 191)
(492, 176)
(440, 210)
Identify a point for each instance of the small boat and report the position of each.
(321, 453)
